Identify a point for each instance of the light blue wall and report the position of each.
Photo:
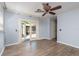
(1, 42)
(44, 28)
(69, 23)
(11, 24)
(11, 36)
(1, 30)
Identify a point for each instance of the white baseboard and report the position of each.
(23, 40)
(68, 44)
(12, 44)
(16, 43)
(2, 51)
(43, 38)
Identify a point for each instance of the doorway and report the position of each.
(28, 30)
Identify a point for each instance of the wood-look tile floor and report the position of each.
(41, 48)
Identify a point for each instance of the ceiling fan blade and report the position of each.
(44, 14)
(55, 8)
(52, 13)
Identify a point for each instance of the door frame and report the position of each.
(20, 32)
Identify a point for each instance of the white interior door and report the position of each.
(33, 32)
(29, 31)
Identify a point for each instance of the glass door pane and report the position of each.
(33, 32)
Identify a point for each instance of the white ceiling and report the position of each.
(30, 7)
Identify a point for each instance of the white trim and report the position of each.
(2, 51)
(41, 38)
(68, 44)
(17, 43)
(12, 44)
(23, 40)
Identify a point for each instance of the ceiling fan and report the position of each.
(48, 9)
